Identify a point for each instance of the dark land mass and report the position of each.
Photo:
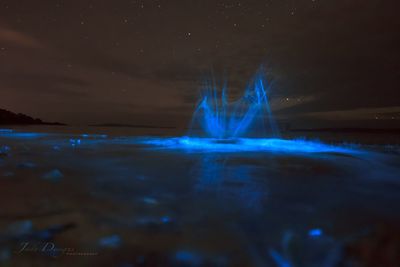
(351, 130)
(11, 118)
(132, 126)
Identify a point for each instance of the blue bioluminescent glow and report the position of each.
(315, 232)
(6, 130)
(227, 127)
(21, 135)
(251, 114)
(193, 144)
(243, 125)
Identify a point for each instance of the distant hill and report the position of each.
(11, 118)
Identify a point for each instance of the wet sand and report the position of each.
(69, 199)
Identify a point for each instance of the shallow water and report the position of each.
(134, 203)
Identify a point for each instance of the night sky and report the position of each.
(330, 62)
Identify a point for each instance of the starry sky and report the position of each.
(330, 62)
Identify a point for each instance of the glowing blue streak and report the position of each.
(245, 144)
(220, 119)
(18, 135)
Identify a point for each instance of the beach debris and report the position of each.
(53, 175)
(112, 241)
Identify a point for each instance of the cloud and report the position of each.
(357, 114)
(8, 35)
(43, 84)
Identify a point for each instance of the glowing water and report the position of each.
(241, 126)
(193, 144)
(249, 115)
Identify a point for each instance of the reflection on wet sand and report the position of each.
(83, 200)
